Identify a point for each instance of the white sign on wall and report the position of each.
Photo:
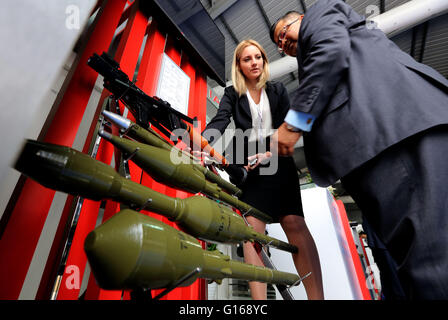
(173, 85)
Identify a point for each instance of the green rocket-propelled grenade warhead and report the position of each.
(150, 137)
(132, 250)
(65, 169)
(175, 169)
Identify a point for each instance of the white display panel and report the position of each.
(173, 85)
(336, 264)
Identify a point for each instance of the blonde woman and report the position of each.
(260, 105)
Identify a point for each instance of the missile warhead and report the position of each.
(159, 164)
(132, 250)
(65, 169)
(121, 122)
(150, 137)
(68, 170)
(135, 131)
(175, 169)
(61, 168)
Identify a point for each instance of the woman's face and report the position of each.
(251, 62)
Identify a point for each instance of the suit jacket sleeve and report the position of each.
(283, 103)
(323, 52)
(225, 111)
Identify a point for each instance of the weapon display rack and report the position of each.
(136, 41)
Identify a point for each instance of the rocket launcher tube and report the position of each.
(219, 181)
(65, 169)
(176, 170)
(132, 250)
(150, 137)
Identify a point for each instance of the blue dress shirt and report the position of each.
(300, 120)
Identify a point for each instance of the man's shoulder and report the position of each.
(326, 11)
(324, 4)
(320, 7)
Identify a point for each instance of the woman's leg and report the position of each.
(257, 289)
(307, 259)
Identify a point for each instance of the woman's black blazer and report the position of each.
(232, 105)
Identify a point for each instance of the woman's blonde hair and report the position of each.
(238, 78)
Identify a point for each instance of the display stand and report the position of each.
(145, 294)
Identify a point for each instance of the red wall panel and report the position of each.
(359, 272)
(127, 56)
(147, 77)
(28, 217)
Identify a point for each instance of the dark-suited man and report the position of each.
(377, 120)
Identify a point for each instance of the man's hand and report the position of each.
(283, 141)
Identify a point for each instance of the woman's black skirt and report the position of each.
(277, 194)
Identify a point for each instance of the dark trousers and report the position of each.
(403, 194)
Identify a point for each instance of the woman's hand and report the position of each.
(200, 155)
(256, 159)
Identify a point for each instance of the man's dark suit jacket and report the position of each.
(366, 93)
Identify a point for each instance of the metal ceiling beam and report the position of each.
(268, 24)
(413, 42)
(415, 31)
(263, 12)
(229, 30)
(425, 34)
(220, 7)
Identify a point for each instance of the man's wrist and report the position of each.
(299, 120)
(292, 128)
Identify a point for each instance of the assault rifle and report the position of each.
(155, 111)
(145, 109)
